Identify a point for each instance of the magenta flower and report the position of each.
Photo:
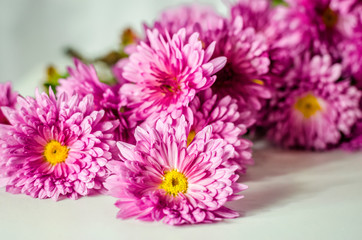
(228, 122)
(166, 74)
(255, 13)
(317, 25)
(193, 17)
(354, 140)
(55, 148)
(7, 99)
(351, 51)
(162, 178)
(247, 64)
(314, 108)
(289, 28)
(117, 70)
(83, 80)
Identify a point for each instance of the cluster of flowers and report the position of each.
(316, 73)
(168, 139)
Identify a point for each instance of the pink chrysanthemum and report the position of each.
(318, 25)
(288, 28)
(166, 74)
(259, 15)
(117, 70)
(255, 13)
(354, 140)
(194, 17)
(55, 148)
(247, 63)
(7, 99)
(313, 109)
(162, 178)
(351, 51)
(228, 122)
(83, 80)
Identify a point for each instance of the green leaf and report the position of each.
(278, 2)
(52, 79)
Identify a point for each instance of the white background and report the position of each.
(291, 195)
(34, 33)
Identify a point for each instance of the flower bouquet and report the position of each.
(171, 130)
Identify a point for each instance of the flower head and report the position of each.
(55, 147)
(166, 74)
(117, 70)
(354, 140)
(351, 51)
(255, 13)
(163, 178)
(247, 63)
(7, 99)
(83, 81)
(192, 17)
(317, 25)
(228, 122)
(313, 109)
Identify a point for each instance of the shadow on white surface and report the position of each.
(282, 177)
(291, 195)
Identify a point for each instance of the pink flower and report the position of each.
(317, 25)
(7, 99)
(55, 148)
(166, 74)
(351, 51)
(193, 17)
(162, 178)
(314, 108)
(244, 74)
(255, 13)
(83, 80)
(228, 122)
(117, 70)
(354, 140)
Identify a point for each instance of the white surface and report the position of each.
(291, 195)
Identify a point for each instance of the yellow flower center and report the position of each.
(55, 153)
(308, 105)
(191, 137)
(330, 18)
(174, 182)
(257, 81)
(168, 88)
